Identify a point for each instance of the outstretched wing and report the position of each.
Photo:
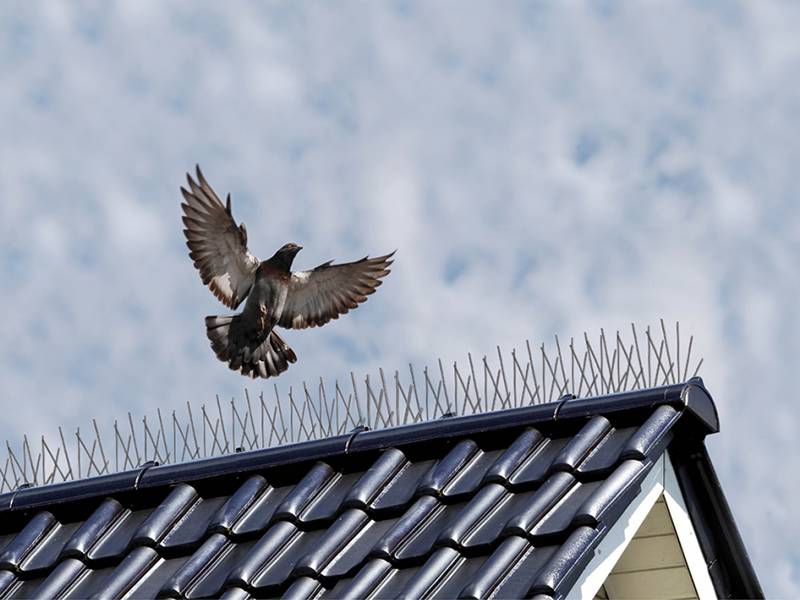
(217, 245)
(317, 296)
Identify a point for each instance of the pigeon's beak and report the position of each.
(298, 249)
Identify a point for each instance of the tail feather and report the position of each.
(253, 356)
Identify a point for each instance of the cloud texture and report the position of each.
(541, 168)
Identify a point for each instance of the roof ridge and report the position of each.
(699, 417)
(584, 369)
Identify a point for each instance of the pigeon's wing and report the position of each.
(217, 245)
(317, 296)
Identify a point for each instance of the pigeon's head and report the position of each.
(286, 254)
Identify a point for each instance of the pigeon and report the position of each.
(273, 295)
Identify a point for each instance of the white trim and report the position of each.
(661, 480)
(611, 547)
(686, 535)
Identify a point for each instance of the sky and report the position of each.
(541, 168)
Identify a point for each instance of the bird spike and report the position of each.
(605, 365)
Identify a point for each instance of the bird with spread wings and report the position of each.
(272, 293)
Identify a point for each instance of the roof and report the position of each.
(504, 504)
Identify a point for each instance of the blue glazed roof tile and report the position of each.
(63, 579)
(377, 480)
(509, 571)
(579, 447)
(20, 548)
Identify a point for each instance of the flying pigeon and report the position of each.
(275, 296)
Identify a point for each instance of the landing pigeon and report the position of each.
(275, 296)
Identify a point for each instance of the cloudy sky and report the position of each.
(542, 168)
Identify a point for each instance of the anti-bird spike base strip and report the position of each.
(583, 368)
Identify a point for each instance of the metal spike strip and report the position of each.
(607, 365)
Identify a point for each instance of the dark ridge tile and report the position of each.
(510, 460)
(462, 530)
(203, 574)
(413, 535)
(536, 466)
(343, 546)
(653, 435)
(566, 563)
(318, 496)
(611, 497)
(270, 561)
(376, 480)
(606, 454)
(581, 445)
(442, 575)
(63, 579)
(509, 572)
(305, 588)
(130, 572)
(100, 524)
(235, 593)
(8, 583)
(244, 462)
(24, 544)
(159, 524)
(448, 468)
(619, 402)
(368, 583)
(541, 503)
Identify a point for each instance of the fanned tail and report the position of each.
(267, 357)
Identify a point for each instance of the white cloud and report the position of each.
(548, 168)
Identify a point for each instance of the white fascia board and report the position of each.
(611, 547)
(687, 537)
(661, 480)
